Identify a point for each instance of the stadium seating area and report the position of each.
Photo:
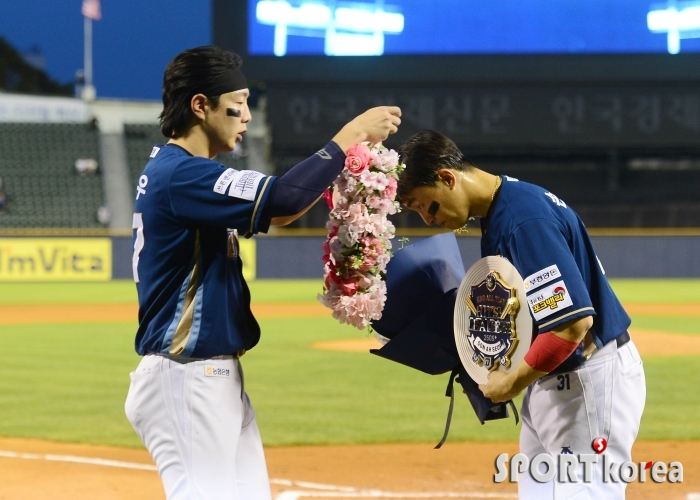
(37, 166)
(44, 190)
(140, 140)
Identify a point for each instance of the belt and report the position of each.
(589, 346)
(622, 339)
(183, 359)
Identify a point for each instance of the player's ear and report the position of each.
(448, 177)
(198, 104)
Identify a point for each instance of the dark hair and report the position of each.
(424, 154)
(188, 73)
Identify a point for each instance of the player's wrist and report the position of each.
(349, 135)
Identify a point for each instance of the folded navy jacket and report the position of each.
(422, 282)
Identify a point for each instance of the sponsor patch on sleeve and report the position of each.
(154, 151)
(510, 179)
(224, 181)
(215, 371)
(541, 277)
(244, 184)
(549, 300)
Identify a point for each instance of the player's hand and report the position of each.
(499, 388)
(374, 125)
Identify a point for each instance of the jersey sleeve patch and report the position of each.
(224, 181)
(244, 184)
(541, 277)
(549, 300)
(154, 151)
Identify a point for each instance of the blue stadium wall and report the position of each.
(653, 256)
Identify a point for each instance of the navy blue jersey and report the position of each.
(548, 244)
(193, 300)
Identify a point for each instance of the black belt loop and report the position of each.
(450, 393)
(623, 339)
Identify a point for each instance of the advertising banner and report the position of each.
(55, 259)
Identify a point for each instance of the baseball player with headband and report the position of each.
(187, 400)
(583, 375)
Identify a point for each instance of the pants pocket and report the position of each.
(138, 393)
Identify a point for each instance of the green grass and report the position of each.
(686, 326)
(68, 382)
(657, 290)
(673, 408)
(660, 291)
(121, 291)
(304, 395)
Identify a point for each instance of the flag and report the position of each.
(92, 9)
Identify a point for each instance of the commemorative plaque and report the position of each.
(492, 324)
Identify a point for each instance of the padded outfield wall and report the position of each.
(648, 254)
(622, 256)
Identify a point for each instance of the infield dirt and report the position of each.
(388, 469)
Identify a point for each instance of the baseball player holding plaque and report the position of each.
(582, 374)
(187, 400)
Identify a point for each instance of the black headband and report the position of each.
(229, 81)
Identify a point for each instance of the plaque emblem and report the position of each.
(492, 333)
(491, 329)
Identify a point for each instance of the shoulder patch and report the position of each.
(549, 300)
(154, 151)
(224, 181)
(510, 179)
(244, 184)
(541, 277)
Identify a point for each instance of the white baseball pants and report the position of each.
(199, 426)
(564, 413)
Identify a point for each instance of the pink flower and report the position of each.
(328, 196)
(377, 224)
(374, 180)
(390, 191)
(375, 158)
(390, 159)
(326, 251)
(357, 160)
(355, 214)
(349, 286)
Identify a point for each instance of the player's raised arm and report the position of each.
(299, 189)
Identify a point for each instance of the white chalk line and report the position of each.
(322, 490)
(78, 460)
(332, 491)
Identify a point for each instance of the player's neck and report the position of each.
(196, 142)
(480, 188)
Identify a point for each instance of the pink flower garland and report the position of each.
(358, 247)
